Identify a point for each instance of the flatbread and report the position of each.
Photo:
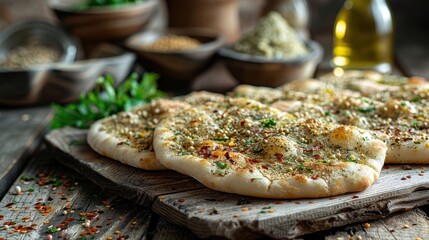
(264, 95)
(403, 125)
(200, 97)
(245, 147)
(128, 136)
(370, 83)
(401, 119)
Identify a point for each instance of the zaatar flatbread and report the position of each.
(245, 147)
(128, 136)
(402, 120)
(402, 124)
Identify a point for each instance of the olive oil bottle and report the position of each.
(363, 36)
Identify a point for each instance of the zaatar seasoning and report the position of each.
(30, 54)
(272, 38)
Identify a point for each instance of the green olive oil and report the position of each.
(363, 36)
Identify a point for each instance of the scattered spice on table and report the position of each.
(272, 38)
(173, 43)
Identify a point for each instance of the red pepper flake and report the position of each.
(279, 157)
(205, 151)
(264, 166)
(408, 176)
(317, 156)
(251, 160)
(90, 216)
(227, 155)
(92, 230)
(215, 156)
(10, 205)
(404, 178)
(353, 197)
(50, 198)
(315, 177)
(181, 200)
(297, 203)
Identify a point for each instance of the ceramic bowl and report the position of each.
(63, 82)
(41, 32)
(180, 66)
(102, 23)
(260, 71)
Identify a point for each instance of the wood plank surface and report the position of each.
(412, 225)
(211, 213)
(135, 184)
(55, 197)
(20, 133)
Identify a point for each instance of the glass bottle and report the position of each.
(363, 36)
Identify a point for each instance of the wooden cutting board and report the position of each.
(184, 201)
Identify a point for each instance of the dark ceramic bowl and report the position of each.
(260, 71)
(181, 66)
(44, 33)
(102, 23)
(63, 82)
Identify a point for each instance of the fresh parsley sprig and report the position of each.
(105, 100)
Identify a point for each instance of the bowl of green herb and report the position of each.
(103, 20)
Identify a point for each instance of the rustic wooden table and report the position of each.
(41, 199)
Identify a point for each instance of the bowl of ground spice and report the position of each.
(272, 54)
(38, 65)
(178, 55)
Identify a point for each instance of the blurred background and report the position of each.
(410, 20)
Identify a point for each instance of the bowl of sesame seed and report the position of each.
(178, 55)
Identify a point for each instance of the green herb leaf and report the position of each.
(349, 159)
(367, 110)
(221, 165)
(269, 123)
(258, 151)
(105, 100)
(51, 230)
(416, 99)
(220, 139)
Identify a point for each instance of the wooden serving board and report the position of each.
(184, 201)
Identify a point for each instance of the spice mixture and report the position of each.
(30, 54)
(272, 38)
(173, 43)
